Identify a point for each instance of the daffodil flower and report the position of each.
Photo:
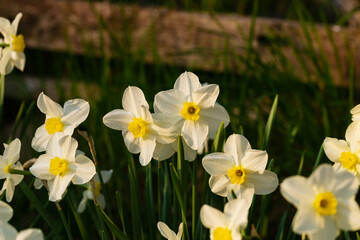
(29, 234)
(227, 225)
(6, 230)
(10, 161)
(14, 45)
(169, 234)
(136, 123)
(88, 194)
(240, 170)
(192, 109)
(58, 119)
(325, 202)
(59, 166)
(345, 154)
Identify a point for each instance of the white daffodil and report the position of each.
(227, 225)
(345, 154)
(59, 166)
(240, 170)
(325, 202)
(29, 234)
(169, 234)
(192, 109)
(10, 161)
(6, 230)
(88, 194)
(136, 123)
(58, 119)
(14, 45)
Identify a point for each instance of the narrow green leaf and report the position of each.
(347, 235)
(149, 198)
(180, 157)
(281, 229)
(318, 157)
(301, 163)
(77, 218)
(357, 236)
(114, 229)
(219, 139)
(120, 209)
(17, 122)
(64, 221)
(270, 122)
(39, 207)
(134, 206)
(27, 119)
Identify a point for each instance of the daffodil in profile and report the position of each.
(192, 109)
(240, 170)
(9, 160)
(58, 119)
(88, 193)
(228, 224)
(59, 166)
(136, 123)
(169, 234)
(345, 153)
(325, 202)
(13, 52)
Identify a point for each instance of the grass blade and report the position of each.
(120, 208)
(270, 122)
(219, 139)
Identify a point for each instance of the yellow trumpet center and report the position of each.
(325, 204)
(54, 125)
(349, 160)
(58, 166)
(237, 174)
(138, 127)
(222, 234)
(7, 169)
(18, 43)
(190, 111)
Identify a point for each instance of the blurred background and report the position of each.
(306, 52)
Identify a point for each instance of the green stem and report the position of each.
(63, 219)
(2, 90)
(4, 45)
(193, 226)
(20, 172)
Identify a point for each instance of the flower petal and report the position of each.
(218, 163)
(132, 144)
(75, 112)
(237, 145)
(7, 231)
(348, 215)
(218, 185)
(170, 103)
(6, 65)
(19, 62)
(30, 234)
(237, 212)
(211, 217)
(165, 231)
(334, 147)
(40, 169)
(68, 147)
(10, 188)
(41, 139)
(58, 186)
(147, 146)
(263, 183)
(6, 212)
(213, 118)
(345, 186)
(15, 23)
(194, 133)
(85, 170)
(306, 220)
(12, 152)
(243, 191)
(355, 112)
(323, 178)
(205, 97)
(163, 151)
(329, 231)
(133, 99)
(106, 175)
(118, 119)
(187, 83)
(297, 189)
(49, 107)
(180, 230)
(352, 136)
(255, 160)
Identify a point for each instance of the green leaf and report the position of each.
(318, 157)
(270, 122)
(180, 156)
(77, 218)
(17, 122)
(120, 208)
(134, 205)
(219, 139)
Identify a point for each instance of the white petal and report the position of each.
(355, 112)
(48, 106)
(306, 220)
(15, 23)
(118, 119)
(7, 231)
(106, 175)
(237, 212)
(30, 234)
(205, 97)
(132, 144)
(218, 184)
(237, 145)
(19, 63)
(348, 215)
(38, 183)
(68, 147)
(12, 152)
(85, 170)
(263, 183)
(255, 160)
(194, 133)
(165, 231)
(218, 163)
(163, 151)
(323, 178)
(40, 169)
(334, 147)
(75, 112)
(187, 82)
(180, 231)
(213, 118)
(17, 178)
(6, 66)
(211, 217)
(345, 186)
(297, 189)
(189, 153)
(82, 204)
(41, 139)
(147, 146)
(329, 232)
(6, 212)
(352, 136)
(10, 188)
(5, 27)
(170, 103)
(133, 99)
(244, 191)
(58, 186)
